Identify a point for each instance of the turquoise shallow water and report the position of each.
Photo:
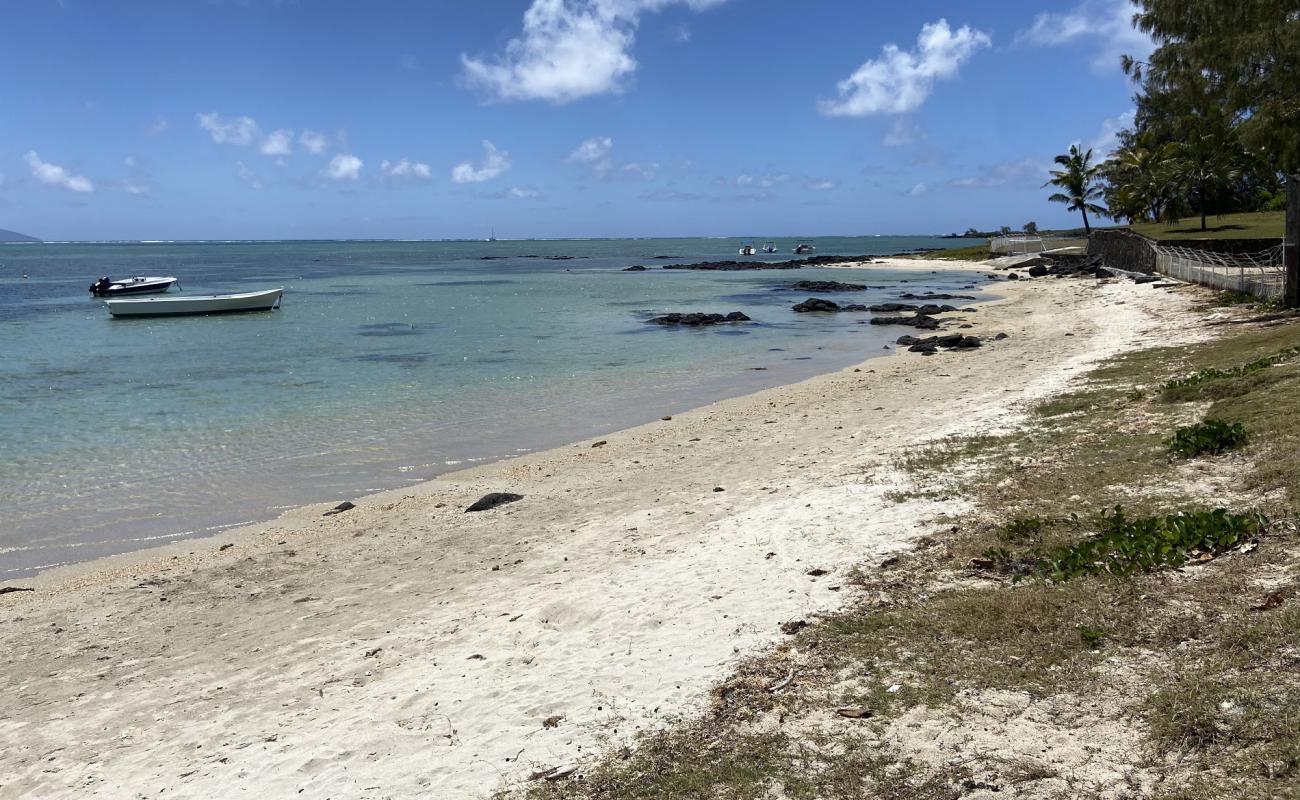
(389, 363)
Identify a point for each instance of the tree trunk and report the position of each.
(1201, 192)
(1087, 229)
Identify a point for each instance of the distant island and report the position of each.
(11, 236)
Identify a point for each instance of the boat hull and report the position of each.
(133, 286)
(195, 304)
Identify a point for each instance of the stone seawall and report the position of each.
(1123, 249)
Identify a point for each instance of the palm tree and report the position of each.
(1079, 180)
(1208, 163)
(1139, 179)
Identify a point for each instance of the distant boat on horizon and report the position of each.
(769, 247)
(492, 237)
(803, 247)
(747, 248)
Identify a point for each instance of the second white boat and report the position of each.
(176, 305)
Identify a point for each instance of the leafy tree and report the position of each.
(1031, 227)
(1242, 53)
(1080, 181)
(1139, 178)
(1207, 164)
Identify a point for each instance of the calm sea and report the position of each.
(389, 363)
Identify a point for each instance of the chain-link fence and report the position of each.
(1260, 274)
(1025, 243)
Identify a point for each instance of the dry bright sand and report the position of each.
(408, 649)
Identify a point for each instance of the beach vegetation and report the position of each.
(1101, 634)
(1211, 437)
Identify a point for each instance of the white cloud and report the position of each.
(765, 181)
(902, 131)
(1024, 173)
(495, 162)
(247, 176)
(54, 175)
(639, 171)
(899, 81)
(918, 190)
(1106, 23)
(821, 185)
(158, 127)
(593, 151)
(278, 143)
(130, 162)
(568, 49)
(313, 142)
(411, 170)
(241, 131)
(517, 193)
(343, 167)
(134, 188)
(1107, 139)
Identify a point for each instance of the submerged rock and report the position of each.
(816, 304)
(696, 319)
(634, 268)
(919, 321)
(827, 286)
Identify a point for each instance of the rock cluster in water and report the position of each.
(819, 304)
(827, 286)
(695, 320)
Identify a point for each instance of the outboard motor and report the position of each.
(100, 286)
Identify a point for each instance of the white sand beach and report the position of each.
(405, 648)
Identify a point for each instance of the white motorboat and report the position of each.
(803, 247)
(769, 247)
(195, 304)
(747, 248)
(140, 284)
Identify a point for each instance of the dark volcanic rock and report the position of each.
(816, 304)
(492, 500)
(695, 320)
(827, 286)
(634, 268)
(926, 310)
(346, 505)
(1037, 271)
(887, 307)
(933, 296)
(918, 321)
(931, 344)
(9, 589)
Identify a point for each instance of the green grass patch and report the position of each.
(979, 252)
(1254, 225)
(1211, 437)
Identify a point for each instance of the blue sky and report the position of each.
(174, 119)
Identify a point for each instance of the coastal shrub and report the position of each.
(1233, 298)
(1021, 529)
(1127, 546)
(1092, 637)
(1210, 437)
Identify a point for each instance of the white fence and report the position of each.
(1259, 274)
(1025, 243)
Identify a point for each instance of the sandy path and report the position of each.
(408, 649)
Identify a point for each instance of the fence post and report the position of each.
(1291, 244)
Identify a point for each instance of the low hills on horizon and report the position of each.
(14, 236)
